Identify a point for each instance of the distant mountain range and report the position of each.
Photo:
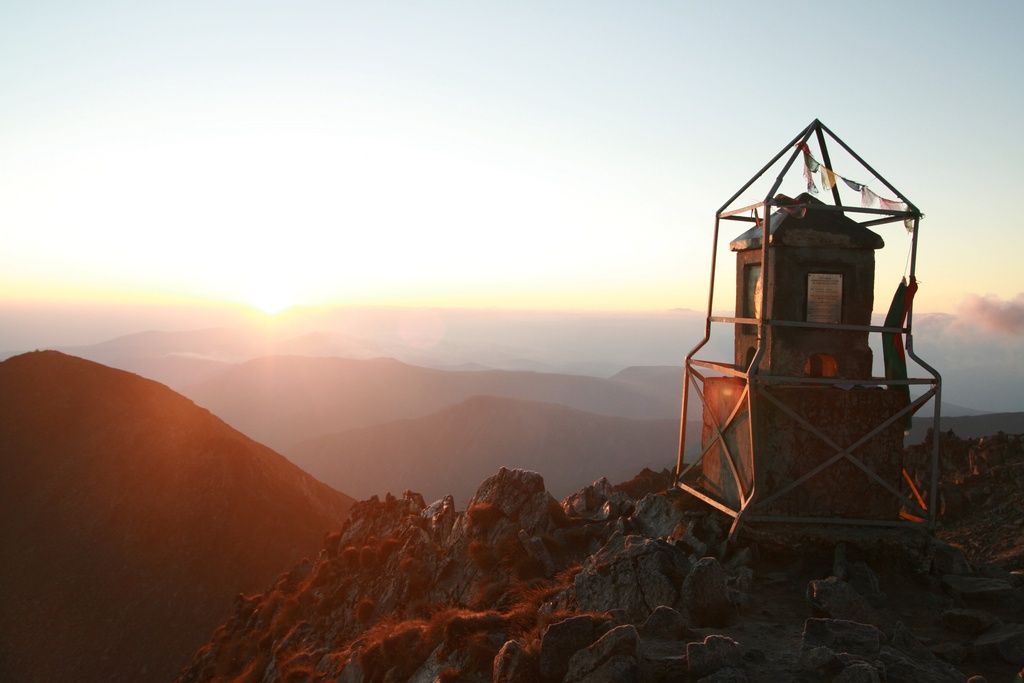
(595, 346)
(284, 400)
(129, 517)
(450, 450)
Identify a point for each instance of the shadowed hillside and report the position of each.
(283, 400)
(130, 519)
(453, 449)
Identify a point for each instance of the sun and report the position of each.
(270, 300)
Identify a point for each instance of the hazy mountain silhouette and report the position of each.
(968, 426)
(130, 519)
(283, 400)
(450, 450)
(180, 359)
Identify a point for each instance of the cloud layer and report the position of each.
(994, 313)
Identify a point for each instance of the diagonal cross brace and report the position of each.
(720, 436)
(843, 452)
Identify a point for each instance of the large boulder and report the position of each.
(969, 621)
(440, 516)
(705, 594)
(662, 660)
(901, 667)
(630, 573)
(947, 559)
(835, 598)
(713, 653)
(1004, 642)
(513, 665)
(664, 623)
(598, 502)
(612, 658)
(508, 490)
(905, 641)
(857, 672)
(562, 639)
(819, 661)
(586, 500)
(977, 588)
(864, 579)
(842, 636)
(519, 496)
(655, 516)
(537, 551)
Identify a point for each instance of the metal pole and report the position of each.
(695, 349)
(933, 493)
(827, 161)
(752, 370)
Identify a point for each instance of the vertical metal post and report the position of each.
(827, 161)
(695, 349)
(752, 370)
(933, 488)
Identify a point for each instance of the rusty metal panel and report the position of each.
(721, 395)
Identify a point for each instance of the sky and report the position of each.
(474, 154)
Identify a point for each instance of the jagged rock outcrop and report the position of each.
(613, 586)
(630, 573)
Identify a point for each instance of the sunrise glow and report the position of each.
(270, 300)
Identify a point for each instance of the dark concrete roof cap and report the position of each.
(807, 222)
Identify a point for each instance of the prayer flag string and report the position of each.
(830, 178)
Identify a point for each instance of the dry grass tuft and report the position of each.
(526, 568)
(400, 647)
(482, 556)
(483, 516)
(488, 594)
(464, 623)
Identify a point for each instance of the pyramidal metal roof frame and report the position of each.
(757, 385)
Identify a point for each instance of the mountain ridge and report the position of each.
(450, 450)
(284, 400)
(136, 515)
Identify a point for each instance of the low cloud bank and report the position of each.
(994, 313)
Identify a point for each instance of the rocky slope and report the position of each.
(130, 516)
(452, 450)
(982, 500)
(627, 583)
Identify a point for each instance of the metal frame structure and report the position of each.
(758, 386)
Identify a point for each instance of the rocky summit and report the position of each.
(633, 582)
